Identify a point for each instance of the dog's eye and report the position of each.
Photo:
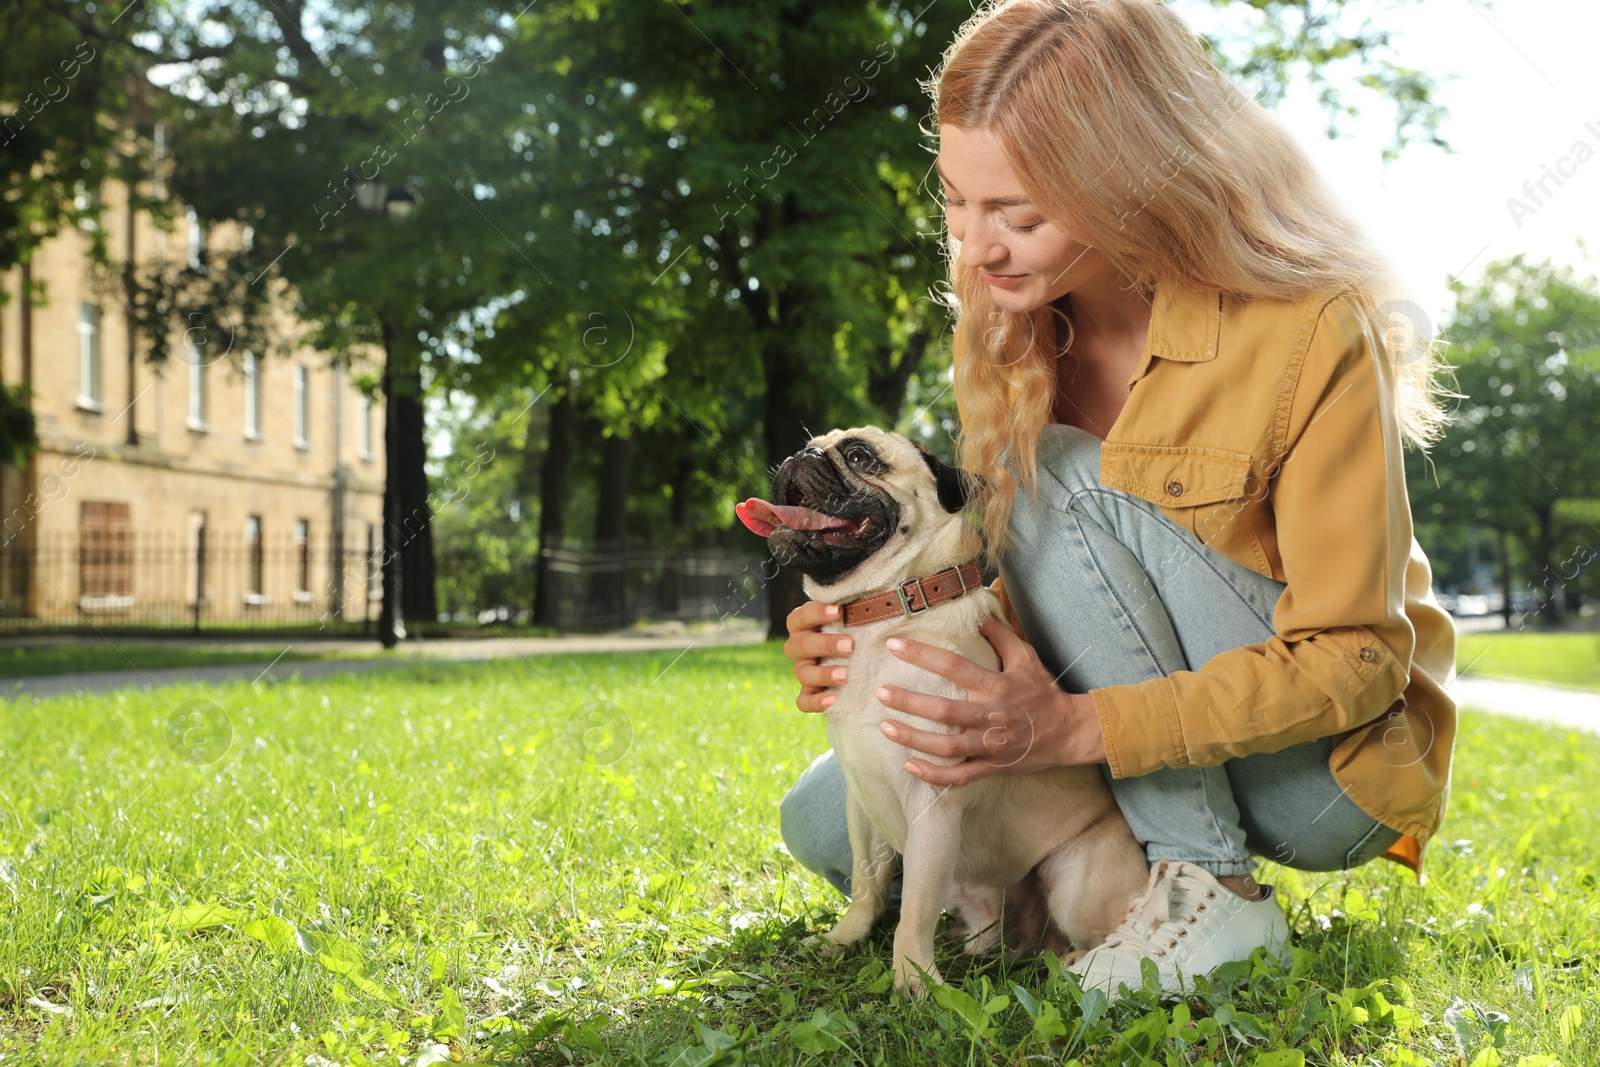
(858, 454)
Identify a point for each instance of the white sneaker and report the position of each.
(1188, 923)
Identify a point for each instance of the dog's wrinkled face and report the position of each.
(854, 495)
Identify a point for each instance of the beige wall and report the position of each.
(178, 467)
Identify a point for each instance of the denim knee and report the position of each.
(812, 821)
(1070, 454)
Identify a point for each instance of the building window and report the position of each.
(105, 568)
(365, 436)
(90, 393)
(197, 390)
(302, 406)
(252, 396)
(196, 557)
(302, 555)
(197, 238)
(254, 561)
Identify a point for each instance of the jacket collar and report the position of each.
(1185, 325)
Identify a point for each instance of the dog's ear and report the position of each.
(957, 488)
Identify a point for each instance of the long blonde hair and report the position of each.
(1113, 116)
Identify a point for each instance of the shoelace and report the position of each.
(1142, 929)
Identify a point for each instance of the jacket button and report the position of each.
(1368, 654)
(1175, 488)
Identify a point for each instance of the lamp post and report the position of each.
(374, 197)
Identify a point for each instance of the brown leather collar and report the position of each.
(915, 595)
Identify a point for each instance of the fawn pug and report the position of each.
(874, 522)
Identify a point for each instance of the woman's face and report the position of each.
(1027, 260)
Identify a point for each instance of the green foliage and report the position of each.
(19, 432)
(390, 868)
(1518, 456)
(63, 66)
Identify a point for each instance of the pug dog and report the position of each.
(1033, 861)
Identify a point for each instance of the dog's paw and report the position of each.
(1074, 956)
(825, 946)
(911, 983)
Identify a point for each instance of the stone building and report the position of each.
(221, 487)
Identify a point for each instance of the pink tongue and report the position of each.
(762, 517)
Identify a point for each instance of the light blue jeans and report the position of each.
(1110, 592)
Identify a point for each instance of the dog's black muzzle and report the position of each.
(812, 478)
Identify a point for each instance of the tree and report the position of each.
(749, 191)
(297, 139)
(64, 68)
(1518, 457)
(796, 149)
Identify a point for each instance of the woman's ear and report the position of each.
(957, 488)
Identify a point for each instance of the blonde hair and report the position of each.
(1113, 116)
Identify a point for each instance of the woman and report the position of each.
(1212, 566)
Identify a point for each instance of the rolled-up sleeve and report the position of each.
(1342, 645)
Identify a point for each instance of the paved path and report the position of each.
(41, 686)
(1577, 709)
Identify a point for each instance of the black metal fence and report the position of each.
(153, 582)
(614, 586)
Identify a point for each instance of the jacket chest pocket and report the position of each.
(1205, 490)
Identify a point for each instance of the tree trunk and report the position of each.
(418, 593)
(608, 584)
(678, 535)
(792, 410)
(130, 323)
(888, 390)
(391, 627)
(1544, 549)
(1503, 545)
(553, 476)
(793, 416)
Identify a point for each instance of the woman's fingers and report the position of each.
(941, 661)
(938, 708)
(957, 774)
(808, 646)
(964, 745)
(806, 639)
(813, 698)
(811, 615)
(822, 675)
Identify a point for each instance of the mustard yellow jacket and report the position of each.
(1267, 428)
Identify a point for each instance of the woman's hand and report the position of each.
(807, 645)
(1015, 719)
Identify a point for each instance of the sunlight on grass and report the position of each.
(1558, 659)
(577, 859)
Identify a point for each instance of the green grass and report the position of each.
(578, 860)
(1556, 658)
(21, 662)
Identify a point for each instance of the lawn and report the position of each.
(1555, 658)
(17, 661)
(577, 859)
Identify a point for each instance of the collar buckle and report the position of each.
(905, 602)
